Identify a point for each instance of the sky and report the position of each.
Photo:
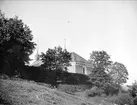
(86, 25)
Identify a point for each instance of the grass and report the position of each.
(21, 92)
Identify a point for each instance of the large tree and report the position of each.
(56, 61)
(99, 76)
(15, 42)
(118, 73)
(100, 59)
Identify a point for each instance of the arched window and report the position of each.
(83, 70)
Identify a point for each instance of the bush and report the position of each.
(133, 89)
(122, 99)
(71, 80)
(75, 78)
(94, 91)
(135, 100)
(4, 76)
(111, 90)
(133, 92)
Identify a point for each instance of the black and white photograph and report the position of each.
(68, 52)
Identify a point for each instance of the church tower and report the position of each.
(65, 49)
(37, 56)
(37, 62)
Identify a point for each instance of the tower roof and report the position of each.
(77, 58)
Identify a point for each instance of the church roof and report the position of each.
(37, 63)
(77, 58)
(74, 58)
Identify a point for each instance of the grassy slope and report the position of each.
(19, 92)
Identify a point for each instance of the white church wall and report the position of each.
(72, 68)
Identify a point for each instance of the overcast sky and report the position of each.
(86, 25)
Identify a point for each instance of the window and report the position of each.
(83, 70)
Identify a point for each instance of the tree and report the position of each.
(56, 60)
(100, 59)
(118, 73)
(15, 42)
(99, 76)
(133, 89)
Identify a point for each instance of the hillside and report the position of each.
(21, 92)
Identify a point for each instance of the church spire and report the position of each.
(37, 56)
(65, 44)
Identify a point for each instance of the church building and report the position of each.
(78, 64)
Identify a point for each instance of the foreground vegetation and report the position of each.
(16, 91)
(21, 92)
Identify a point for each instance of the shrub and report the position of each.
(94, 91)
(133, 89)
(122, 99)
(75, 78)
(111, 90)
(135, 100)
(4, 76)
(32, 72)
(71, 80)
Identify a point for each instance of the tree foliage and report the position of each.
(15, 41)
(133, 89)
(118, 73)
(98, 76)
(100, 59)
(14, 32)
(56, 59)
